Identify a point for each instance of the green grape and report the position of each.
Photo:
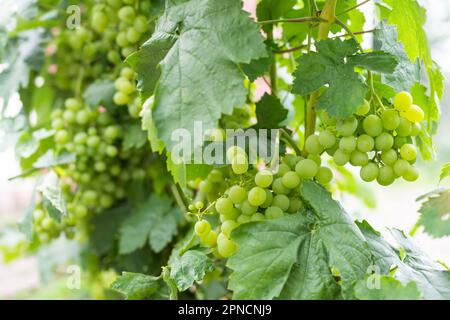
(290, 180)
(83, 117)
(369, 172)
(257, 217)
(69, 116)
(263, 178)
(269, 199)
(141, 24)
(112, 151)
(363, 109)
(306, 169)
(326, 119)
(100, 166)
(237, 194)
(324, 175)
(389, 157)
(403, 101)
(202, 228)
(215, 176)
(384, 141)
(227, 227)
(273, 213)
(224, 205)
(225, 246)
(240, 165)
(358, 158)
(312, 145)
(295, 204)
(126, 14)
(281, 201)
(408, 152)
(390, 119)
(283, 169)
(124, 85)
(210, 239)
(400, 141)
(247, 209)
(112, 132)
(327, 139)
(346, 127)
(93, 141)
(56, 114)
(62, 137)
(411, 174)
(121, 39)
(120, 98)
(386, 176)
(127, 73)
(235, 151)
(347, 144)
(133, 35)
(316, 158)
(415, 129)
(404, 128)
(331, 151)
(243, 219)
(372, 125)
(291, 160)
(106, 201)
(99, 21)
(278, 187)
(231, 215)
(341, 158)
(365, 143)
(256, 196)
(57, 124)
(73, 104)
(80, 138)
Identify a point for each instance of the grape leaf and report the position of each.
(134, 137)
(406, 73)
(445, 171)
(273, 9)
(304, 247)
(100, 92)
(435, 213)
(136, 285)
(333, 64)
(431, 278)
(28, 143)
(52, 196)
(200, 45)
(189, 267)
(389, 289)
(270, 112)
(410, 17)
(155, 221)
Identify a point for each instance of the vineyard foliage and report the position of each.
(110, 91)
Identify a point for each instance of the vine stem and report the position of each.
(290, 141)
(179, 196)
(273, 67)
(414, 229)
(353, 8)
(328, 15)
(293, 20)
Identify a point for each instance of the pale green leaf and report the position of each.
(52, 196)
(388, 289)
(435, 213)
(136, 285)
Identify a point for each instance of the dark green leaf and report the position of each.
(270, 112)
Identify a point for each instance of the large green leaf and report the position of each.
(136, 285)
(52, 196)
(389, 289)
(270, 112)
(191, 266)
(334, 65)
(406, 73)
(154, 221)
(194, 57)
(435, 213)
(431, 278)
(99, 93)
(303, 251)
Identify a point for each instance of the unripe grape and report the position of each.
(347, 144)
(133, 36)
(295, 204)
(415, 129)
(83, 117)
(386, 176)
(237, 194)
(264, 178)
(324, 175)
(369, 172)
(281, 201)
(120, 98)
(247, 209)
(62, 137)
(365, 143)
(408, 152)
(373, 125)
(69, 116)
(224, 205)
(112, 151)
(363, 109)
(346, 127)
(278, 187)
(122, 40)
(227, 227)
(411, 174)
(403, 101)
(73, 104)
(390, 119)
(57, 124)
(243, 219)
(327, 139)
(80, 211)
(340, 157)
(282, 169)
(99, 21)
(225, 246)
(93, 141)
(326, 119)
(316, 158)
(389, 157)
(231, 215)
(404, 128)
(126, 14)
(414, 114)
(141, 24)
(290, 180)
(273, 213)
(210, 239)
(384, 141)
(233, 152)
(257, 217)
(358, 158)
(400, 141)
(256, 196)
(127, 73)
(306, 169)
(312, 145)
(239, 165)
(269, 199)
(202, 228)
(215, 176)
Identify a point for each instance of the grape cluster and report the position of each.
(103, 167)
(380, 143)
(252, 194)
(126, 92)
